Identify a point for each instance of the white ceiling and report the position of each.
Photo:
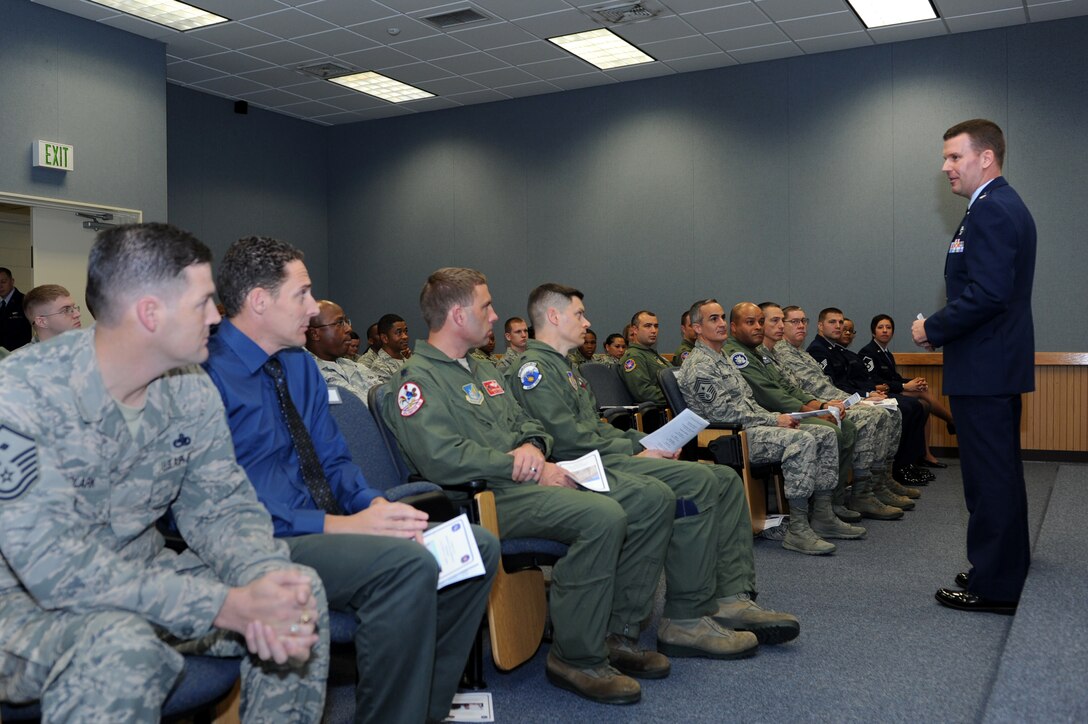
(255, 56)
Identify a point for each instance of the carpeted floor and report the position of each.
(874, 645)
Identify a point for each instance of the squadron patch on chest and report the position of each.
(529, 374)
(739, 360)
(18, 463)
(473, 394)
(409, 399)
(492, 387)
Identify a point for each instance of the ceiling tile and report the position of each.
(449, 86)
(470, 63)
(186, 72)
(335, 119)
(138, 26)
(779, 10)
(648, 31)
(277, 77)
(486, 37)
(190, 46)
(502, 76)
(726, 18)
(409, 6)
(320, 90)
(952, 8)
(388, 112)
(515, 9)
(830, 43)
(335, 42)
(289, 24)
(766, 52)
(560, 23)
(636, 72)
(530, 89)
(233, 63)
(430, 104)
(284, 53)
(79, 8)
(680, 48)
(239, 9)
(908, 31)
(687, 6)
(821, 25)
(376, 58)
(753, 37)
(348, 12)
(417, 72)
(271, 97)
(701, 62)
(406, 29)
(985, 21)
(535, 52)
(309, 108)
(436, 46)
(233, 35)
(583, 80)
(229, 86)
(558, 68)
(1057, 10)
(481, 96)
(357, 102)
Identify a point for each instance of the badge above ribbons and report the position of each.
(18, 463)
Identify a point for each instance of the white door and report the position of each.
(61, 247)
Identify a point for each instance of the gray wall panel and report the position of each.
(96, 88)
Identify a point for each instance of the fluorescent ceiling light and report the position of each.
(378, 85)
(878, 13)
(602, 48)
(172, 14)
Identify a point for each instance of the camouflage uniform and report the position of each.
(384, 366)
(640, 367)
(344, 373)
(366, 359)
(801, 369)
(483, 356)
(716, 390)
(577, 359)
(87, 588)
(508, 359)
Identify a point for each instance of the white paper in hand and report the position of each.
(454, 547)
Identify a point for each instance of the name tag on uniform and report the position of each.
(334, 396)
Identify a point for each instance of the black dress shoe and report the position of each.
(908, 477)
(967, 601)
(921, 473)
(962, 578)
(935, 464)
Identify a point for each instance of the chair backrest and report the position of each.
(675, 399)
(367, 445)
(377, 398)
(606, 385)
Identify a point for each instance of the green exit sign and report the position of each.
(48, 154)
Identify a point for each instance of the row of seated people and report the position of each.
(749, 367)
(108, 429)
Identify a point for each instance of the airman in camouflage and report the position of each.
(714, 388)
(98, 439)
(326, 341)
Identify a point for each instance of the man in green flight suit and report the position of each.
(641, 362)
(711, 575)
(455, 422)
(687, 339)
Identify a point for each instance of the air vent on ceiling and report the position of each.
(623, 13)
(325, 70)
(455, 18)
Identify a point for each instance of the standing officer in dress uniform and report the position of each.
(102, 431)
(988, 337)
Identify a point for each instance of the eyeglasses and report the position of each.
(343, 322)
(69, 309)
(802, 320)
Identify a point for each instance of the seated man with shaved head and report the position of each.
(327, 340)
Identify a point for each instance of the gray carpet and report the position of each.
(874, 645)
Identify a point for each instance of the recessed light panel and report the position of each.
(602, 48)
(878, 13)
(379, 86)
(172, 14)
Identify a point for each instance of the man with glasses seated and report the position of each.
(51, 311)
(327, 340)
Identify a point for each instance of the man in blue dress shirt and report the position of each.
(412, 642)
(988, 337)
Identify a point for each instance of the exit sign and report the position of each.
(48, 154)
